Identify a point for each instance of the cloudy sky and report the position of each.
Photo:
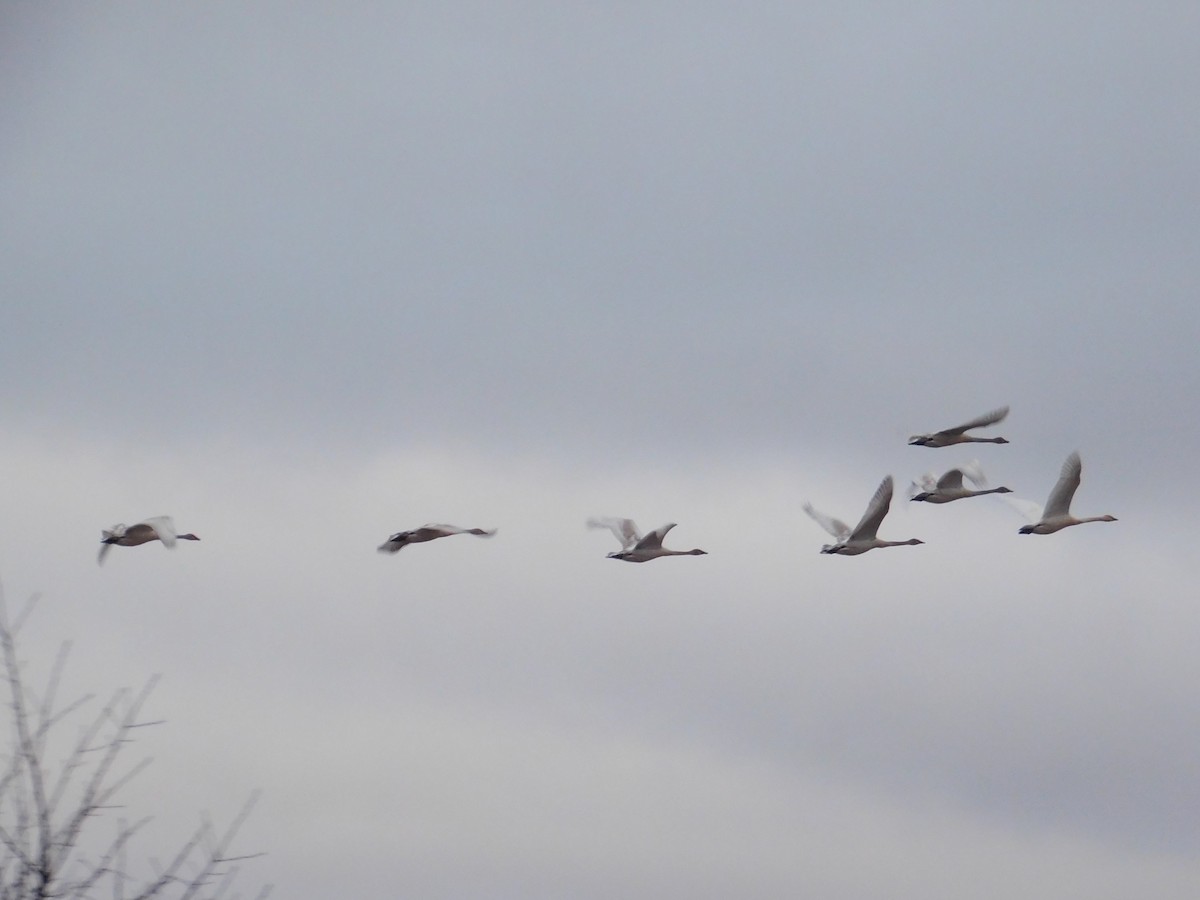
(302, 279)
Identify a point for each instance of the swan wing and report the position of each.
(623, 529)
(1059, 503)
(394, 543)
(952, 480)
(990, 418)
(869, 524)
(438, 530)
(432, 531)
(1027, 508)
(162, 526)
(834, 526)
(926, 482)
(973, 472)
(653, 540)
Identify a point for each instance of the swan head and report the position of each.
(698, 553)
(1027, 529)
(1002, 490)
(924, 495)
(919, 440)
(831, 548)
(999, 440)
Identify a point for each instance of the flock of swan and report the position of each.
(637, 547)
(1055, 516)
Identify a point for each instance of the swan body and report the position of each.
(636, 547)
(958, 435)
(1057, 513)
(402, 539)
(860, 539)
(950, 486)
(157, 528)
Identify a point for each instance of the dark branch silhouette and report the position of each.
(47, 810)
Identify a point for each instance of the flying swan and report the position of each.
(862, 538)
(1057, 514)
(950, 486)
(635, 547)
(157, 528)
(402, 539)
(957, 435)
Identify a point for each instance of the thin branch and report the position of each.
(27, 750)
(46, 708)
(21, 616)
(95, 792)
(217, 854)
(111, 862)
(40, 859)
(167, 876)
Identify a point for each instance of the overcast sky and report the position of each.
(302, 278)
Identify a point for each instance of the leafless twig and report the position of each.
(46, 810)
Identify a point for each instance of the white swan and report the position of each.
(957, 435)
(950, 486)
(635, 547)
(1057, 514)
(157, 528)
(972, 471)
(402, 539)
(862, 538)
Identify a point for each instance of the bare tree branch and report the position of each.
(46, 809)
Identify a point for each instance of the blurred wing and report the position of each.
(103, 553)
(836, 527)
(1027, 508)
(653, 540)
(623, 529)
(431, 532)
(164, 527)
(1059, 503)
(973, 472)
(876, 510)
(991, 418)
(951, 480)
(926, 482)
(393, 544)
